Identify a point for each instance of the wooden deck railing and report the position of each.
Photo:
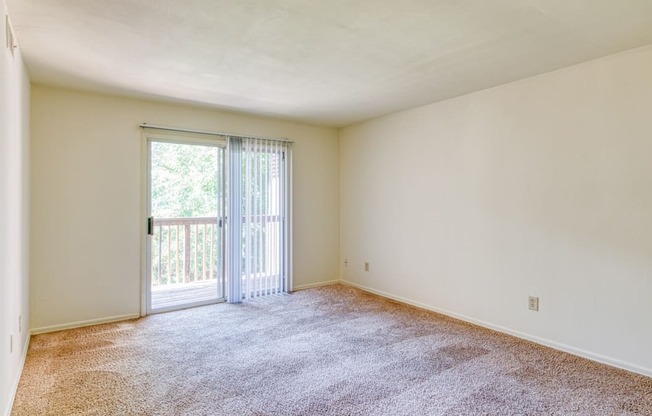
(185, 250)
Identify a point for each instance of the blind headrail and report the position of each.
(212, 133)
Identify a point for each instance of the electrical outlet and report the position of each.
(20, 324)
(533, 303)
(366, 266)
(346, 262)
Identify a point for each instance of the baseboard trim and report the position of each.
(538, 340)
(79, 324)
(14, 389)
(311, 285)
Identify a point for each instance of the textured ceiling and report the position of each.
(331, 62)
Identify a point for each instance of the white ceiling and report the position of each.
(330, 62)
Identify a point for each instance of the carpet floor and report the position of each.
(333, 350)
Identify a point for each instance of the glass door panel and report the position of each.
(186, 200)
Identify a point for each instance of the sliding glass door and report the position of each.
(219, 212)
(186, 223)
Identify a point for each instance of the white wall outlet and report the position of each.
(20, 324)
(346, 262)
(366, 266)
(533, 303)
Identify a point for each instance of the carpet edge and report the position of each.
(19, 373)
(612, 362)
(79, 324)
(318, 284)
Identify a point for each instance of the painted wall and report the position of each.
(86, 199)
(539, 187)
(14, 216)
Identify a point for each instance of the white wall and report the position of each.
(86, 199)
(14, 215)
(539, 187)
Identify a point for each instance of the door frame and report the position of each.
(149, 135)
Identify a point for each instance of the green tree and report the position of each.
(185, 180)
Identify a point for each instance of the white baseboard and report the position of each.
(311, 285)
(542, 341)
(79, 324)
(14, 386)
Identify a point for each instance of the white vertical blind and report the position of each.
(234, 258)
(260, 246)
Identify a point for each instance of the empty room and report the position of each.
(292, 207)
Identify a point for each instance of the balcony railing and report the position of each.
(189, 250)
(185, 250)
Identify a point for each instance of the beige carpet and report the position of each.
(328, 351)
